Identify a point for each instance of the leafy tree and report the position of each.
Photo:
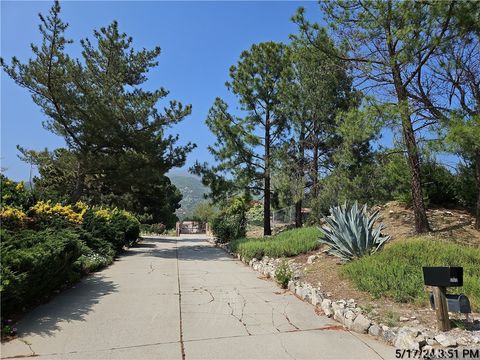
(244, 144)
(113, 129)
(388, 43)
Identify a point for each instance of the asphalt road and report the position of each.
(174, 298)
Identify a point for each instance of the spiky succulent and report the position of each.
(350, 232)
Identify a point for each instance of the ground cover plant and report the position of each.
(47, 245)
(288, 243)
(396, 271)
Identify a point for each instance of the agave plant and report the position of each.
(350, 232)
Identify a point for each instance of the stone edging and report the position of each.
(352, 317)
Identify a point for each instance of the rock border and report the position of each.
(352, 317)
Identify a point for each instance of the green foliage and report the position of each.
(15, 194)
(283, 274)
(287, 243)
(158, 228)
(35, 263)
(441, 186)
(231, 223)
(396, 271)
(204, 212)
(244, 145)
(117, 227)
(350, 232)
(255, 215)
(99, 105)
(227, 228)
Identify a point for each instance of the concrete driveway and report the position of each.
(174, 298)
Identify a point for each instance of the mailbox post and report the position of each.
(441, 278)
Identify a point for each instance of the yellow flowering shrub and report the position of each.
(48, 211)
(105, 214)
(12, 218)
(80, 207)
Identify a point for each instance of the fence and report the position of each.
(283, 217)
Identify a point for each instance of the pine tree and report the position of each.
(244, 144)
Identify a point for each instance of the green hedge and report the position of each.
(34, 263)
(396, 271)
(287, 243)
(118, 228)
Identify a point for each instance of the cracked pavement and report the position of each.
(174, 298)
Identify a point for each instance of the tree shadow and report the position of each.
(73, 304)
(188, 249)
(454, 227)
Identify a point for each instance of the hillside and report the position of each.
(192, 190)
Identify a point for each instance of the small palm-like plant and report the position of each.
(350, 232)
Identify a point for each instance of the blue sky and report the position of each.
(199, 41)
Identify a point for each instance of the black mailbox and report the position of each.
(455, 303)
(443, 276)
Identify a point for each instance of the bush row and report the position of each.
(46, 245)
(287, 243)
(396, 271)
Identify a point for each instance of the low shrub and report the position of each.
(15, 194)
(227, 228)
(288, 243)
(34, 263)
(47, 214)
(283, 274)
(396, 271)
(93, 260)
(158, 228)
(12, 218)
(118, 227)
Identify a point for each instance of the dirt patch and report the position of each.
(448, 224)
(451, 225)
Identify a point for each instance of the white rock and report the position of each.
(327, 307)
(408, 339)
(349, 314)
(446, 340)
(361, 324)
(311, 259)
(316, 297)
(403, 318)
(432, 342)
(374, 330)
(338, 315)
(337, 305)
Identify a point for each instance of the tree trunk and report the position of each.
(301, 171)
(267, 230)
(420, 214)
(477, 182)
(315, 170)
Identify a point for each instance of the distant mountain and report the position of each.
(192, 190)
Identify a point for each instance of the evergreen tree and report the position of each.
(110, 123)
(244, 144)
(388, 44)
